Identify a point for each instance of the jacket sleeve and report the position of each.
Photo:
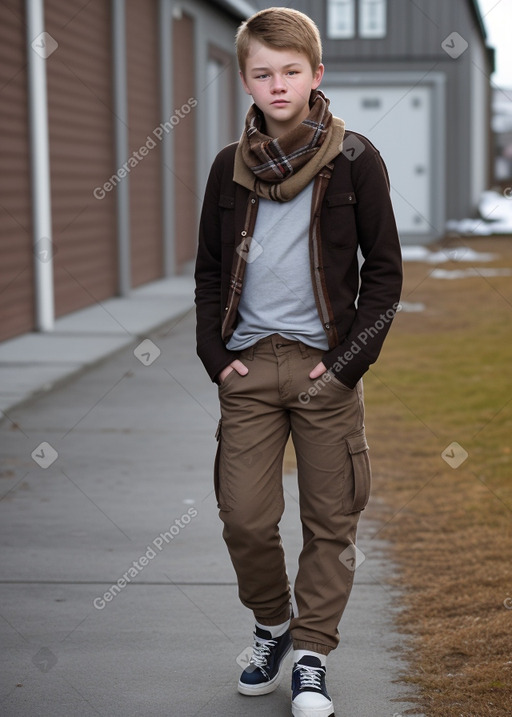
(380, 274)
(208, 277)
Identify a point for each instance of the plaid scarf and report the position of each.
(280, 168)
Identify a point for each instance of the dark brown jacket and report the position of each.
(350, 210)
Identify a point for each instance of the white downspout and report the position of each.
(121, 145)
(40, 45)
(166, 13)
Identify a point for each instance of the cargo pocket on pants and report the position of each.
(357, 485)
(221, 501)
(217, 461)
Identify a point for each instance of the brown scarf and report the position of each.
(280, 168)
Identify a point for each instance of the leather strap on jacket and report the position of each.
(242, 246)
(322, 300)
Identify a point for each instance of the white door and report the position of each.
(397, 121)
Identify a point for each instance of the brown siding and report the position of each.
(143, 117)
(184, 139)
(81, 152)
(16, 266)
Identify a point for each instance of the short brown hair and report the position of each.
(281, 28)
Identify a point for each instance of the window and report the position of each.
(372, 18)
(371, 103)
(341, 19)
(342, 15)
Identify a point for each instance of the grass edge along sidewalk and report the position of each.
(439, 421)
(439, 406)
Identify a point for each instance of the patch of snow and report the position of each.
(461, 253)
(495, 210)
(465, 273)
(410, 308)
(476, 227)
(415, 253)
(494, 207)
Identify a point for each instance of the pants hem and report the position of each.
(312, 647)
(283, 616)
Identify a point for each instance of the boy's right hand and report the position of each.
(235, 365)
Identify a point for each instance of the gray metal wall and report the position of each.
(415, 33)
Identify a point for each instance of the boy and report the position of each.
(285, 330)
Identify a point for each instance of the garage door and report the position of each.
(80, 113)
(397, 120)
(184, 140)
(143, 117)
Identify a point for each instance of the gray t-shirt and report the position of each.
(277, 296)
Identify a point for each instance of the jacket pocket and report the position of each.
(341, 199)
(340, 227)
(357, 481)
(227, 222)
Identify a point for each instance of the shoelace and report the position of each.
(261, 650)
(310, 677)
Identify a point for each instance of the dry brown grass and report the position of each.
(445, 375)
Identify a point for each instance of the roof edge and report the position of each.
(490, 51)
(479, 18)
(239, 8)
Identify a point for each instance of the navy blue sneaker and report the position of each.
(309, 694)
(265, 669)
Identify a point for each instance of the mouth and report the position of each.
(280, 102)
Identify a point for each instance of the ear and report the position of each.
(244, 83)
(317, 77)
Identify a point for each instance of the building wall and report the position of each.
(171, 49)
(213, 36)
(16, 267)
(413, 44)
(165, 189)
(143, 75)
(414, 29)
(81, 154)
(202, 35)
(184, 49)
(480, 129)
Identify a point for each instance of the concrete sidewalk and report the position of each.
(37, 362)
(108, 477)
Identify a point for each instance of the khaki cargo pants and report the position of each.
(326, 421)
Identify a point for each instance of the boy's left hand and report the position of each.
(319, 370)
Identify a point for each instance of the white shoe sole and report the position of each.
(266, 687)
(327, 711)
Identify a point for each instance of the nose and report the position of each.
(278, 84)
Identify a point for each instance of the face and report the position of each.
(280, 83)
